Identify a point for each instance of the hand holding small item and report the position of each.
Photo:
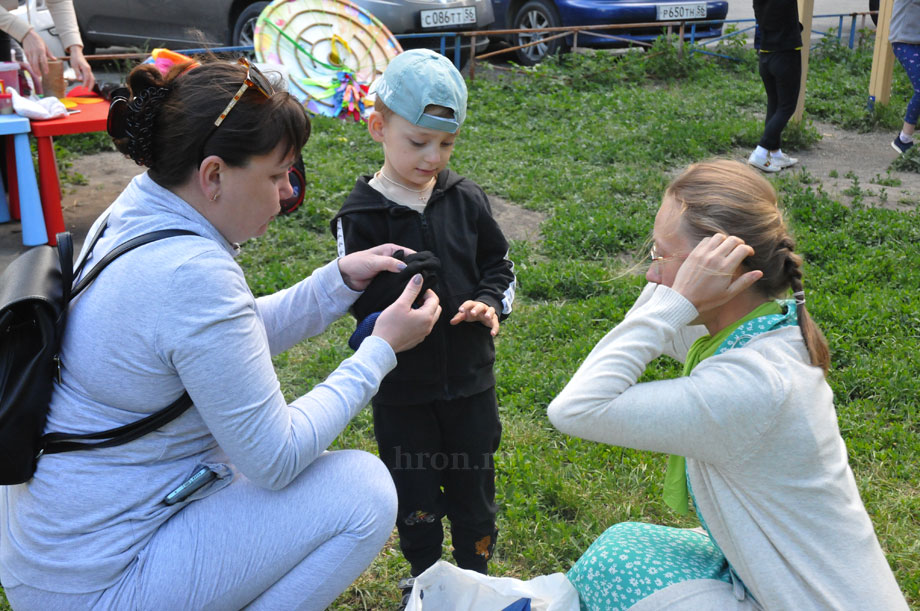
(38, 55)
(359, 268)
(404, 327)
(37, 52)
(81, 67)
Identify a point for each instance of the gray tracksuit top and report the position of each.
(170, 315)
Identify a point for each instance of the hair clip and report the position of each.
(799, 297)
(116, 123)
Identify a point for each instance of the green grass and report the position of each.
(591, 140)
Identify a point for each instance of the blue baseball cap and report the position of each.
(419, 77)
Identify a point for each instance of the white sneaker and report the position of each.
(782, 160)
(763, 163)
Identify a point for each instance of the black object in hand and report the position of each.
(386, 287)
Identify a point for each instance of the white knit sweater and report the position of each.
(766, 461)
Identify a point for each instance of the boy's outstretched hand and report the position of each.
(472, 311)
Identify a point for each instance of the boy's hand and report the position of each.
(476, 310)
(359, 268)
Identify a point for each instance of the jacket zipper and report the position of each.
(442, 339)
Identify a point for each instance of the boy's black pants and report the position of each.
(440, 455)
(781, 73)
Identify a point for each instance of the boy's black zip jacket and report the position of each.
(457, 226)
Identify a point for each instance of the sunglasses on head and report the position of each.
(121, 100)
(255, 80)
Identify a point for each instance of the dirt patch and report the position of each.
(517, 223)
(851, 165)
(106, 176)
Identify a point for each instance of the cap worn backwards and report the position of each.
(417, 78)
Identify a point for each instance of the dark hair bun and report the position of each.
(132, 118)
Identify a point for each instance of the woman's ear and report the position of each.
(375, 124)
(209, 174)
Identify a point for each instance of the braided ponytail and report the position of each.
(729, 197)
(815, 342)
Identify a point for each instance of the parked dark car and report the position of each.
(182, 24)
(514, 14)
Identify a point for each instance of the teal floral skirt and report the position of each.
(631, 561)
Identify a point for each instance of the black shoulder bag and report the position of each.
(35, 292)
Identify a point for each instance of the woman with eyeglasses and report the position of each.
(236, 503)
(751, 425)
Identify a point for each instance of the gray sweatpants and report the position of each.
(245, 546)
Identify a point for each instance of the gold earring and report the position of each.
(214, 197)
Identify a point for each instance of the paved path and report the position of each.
(744, 9)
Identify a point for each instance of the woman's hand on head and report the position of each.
(712, 274)
(403, 327)
(359, 268)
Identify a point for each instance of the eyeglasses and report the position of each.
(654, 257)
(254, 79)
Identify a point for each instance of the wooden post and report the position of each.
(680, 34)
(882, 58)
(806, 10)
(472, 57)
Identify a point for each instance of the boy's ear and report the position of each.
(375, 122)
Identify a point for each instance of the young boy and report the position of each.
(436, 415)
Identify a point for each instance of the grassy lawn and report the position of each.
(591, 141)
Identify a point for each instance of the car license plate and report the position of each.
(438, 18)
(689, 10)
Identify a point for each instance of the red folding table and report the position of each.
(91, 118)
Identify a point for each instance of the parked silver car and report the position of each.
(181, 24)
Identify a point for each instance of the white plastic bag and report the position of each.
(444, 587)
(37, 109)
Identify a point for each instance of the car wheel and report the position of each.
(245, 24)
(873, 6)
(535, 14)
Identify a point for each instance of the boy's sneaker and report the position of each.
(763, 163)
(899, 145)
(405, 588)
(782, 160)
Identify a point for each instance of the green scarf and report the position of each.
(775, 314)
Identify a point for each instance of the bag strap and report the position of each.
(65, 254)
(53, 443)
(100, 229)
(121, 249)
